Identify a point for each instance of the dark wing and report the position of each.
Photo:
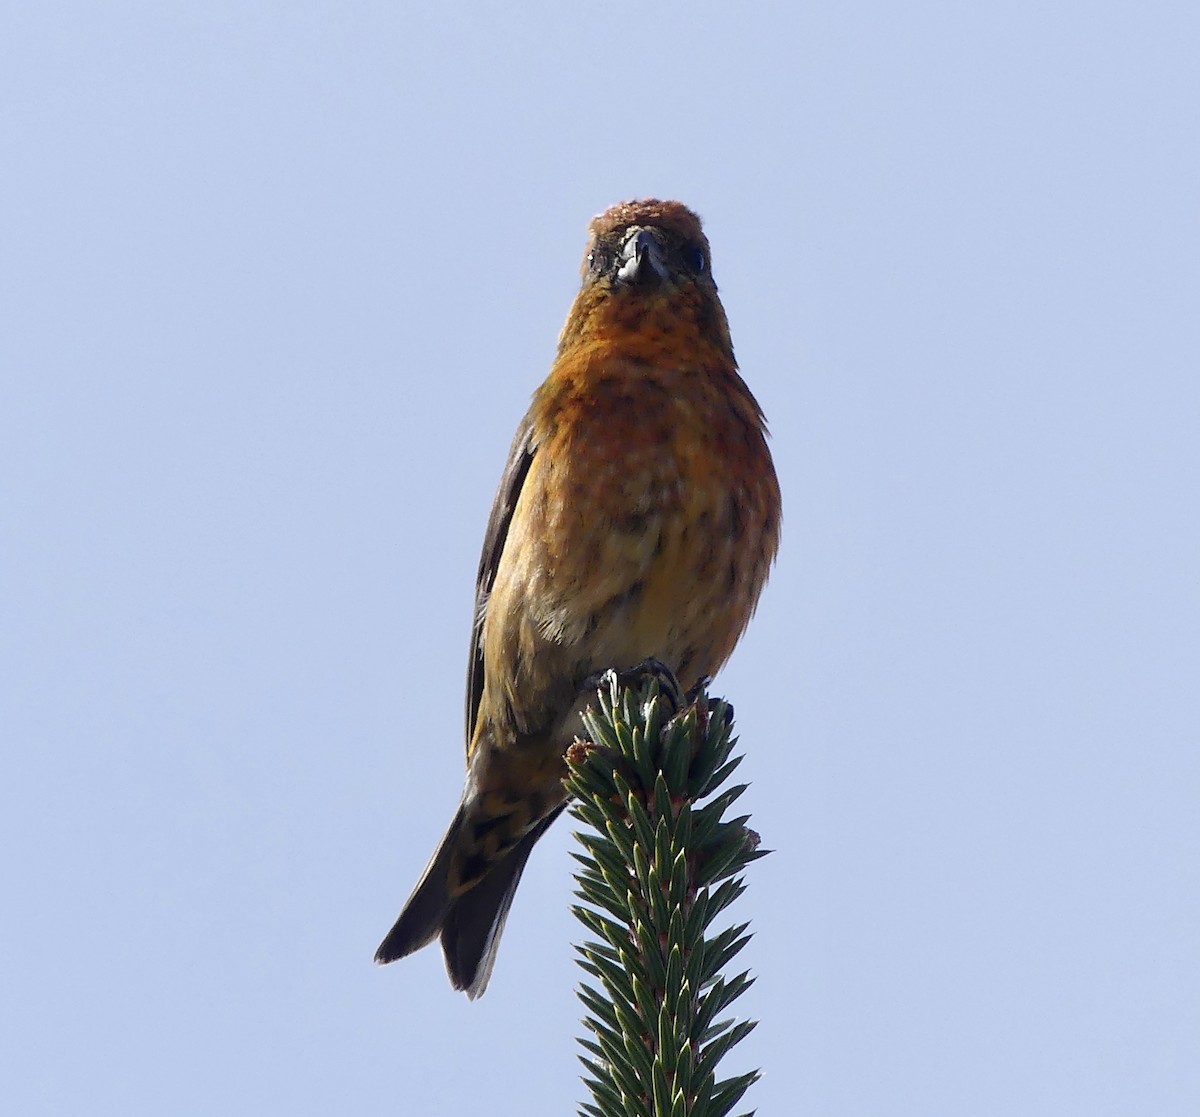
(519, 459)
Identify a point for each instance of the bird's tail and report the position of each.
(470, 923)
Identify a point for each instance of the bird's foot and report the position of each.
(637, 676)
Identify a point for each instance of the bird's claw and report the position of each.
(637, 676)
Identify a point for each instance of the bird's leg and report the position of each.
(637, 676)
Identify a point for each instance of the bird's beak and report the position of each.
(642, 261)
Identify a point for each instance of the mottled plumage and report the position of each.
(637, 518)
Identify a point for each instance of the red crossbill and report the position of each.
(636, 519)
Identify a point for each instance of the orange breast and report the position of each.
(649, 514)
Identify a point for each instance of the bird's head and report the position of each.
(647, 268)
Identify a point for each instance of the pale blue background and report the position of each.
(277, 281)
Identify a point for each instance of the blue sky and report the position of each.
(276, 283)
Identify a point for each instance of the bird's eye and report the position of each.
(696, 259)
(597, 260)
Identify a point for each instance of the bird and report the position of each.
(636, 519)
